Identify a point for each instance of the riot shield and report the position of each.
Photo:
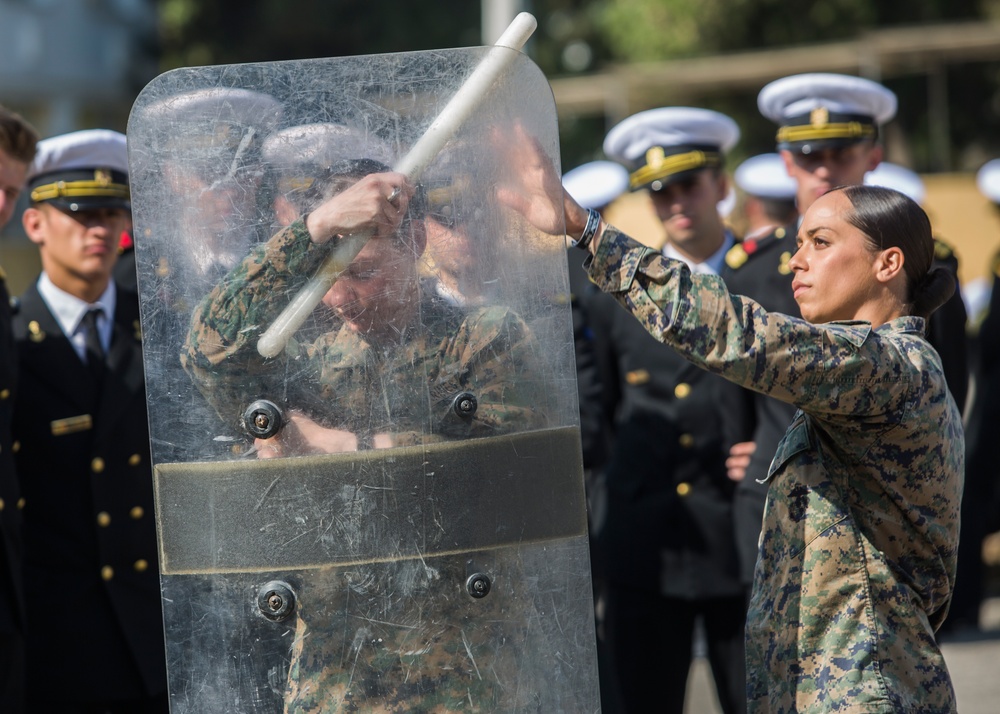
(417, 539)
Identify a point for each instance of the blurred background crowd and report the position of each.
(68, 65)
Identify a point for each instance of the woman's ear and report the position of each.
(889, 264)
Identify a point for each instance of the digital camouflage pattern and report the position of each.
(396, 636)
(404, 388)
(404, 637)
(858, 550)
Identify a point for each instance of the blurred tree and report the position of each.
(233, 31)
(584, 36)
(663, 29)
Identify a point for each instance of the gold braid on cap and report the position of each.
(100, 187)
(658, 166)
(811, 132)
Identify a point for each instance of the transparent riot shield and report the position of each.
(388, 514)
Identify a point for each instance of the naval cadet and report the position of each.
(769, 200)
(207, 158)
(981, 500)
(596, 185)
(671, 560)
(17, 149)
(91, 573)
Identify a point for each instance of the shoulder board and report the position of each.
(736, 256)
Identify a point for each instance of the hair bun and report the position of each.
(934, 290)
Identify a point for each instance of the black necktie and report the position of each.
(92, 340)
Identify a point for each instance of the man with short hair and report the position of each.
(91, 568)
(17, 149)
(668, 534)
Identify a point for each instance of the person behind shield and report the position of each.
(858, 551)
(395, 334)
(211, 141)
(388, 376)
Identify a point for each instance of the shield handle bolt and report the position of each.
(465, 404)
(263, 419)
(276, 600)
(478, 585)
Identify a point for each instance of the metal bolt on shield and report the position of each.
(478, 585)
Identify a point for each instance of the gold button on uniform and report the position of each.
(107, 572)
(97, 465)
(103, 519)
(682, 390)
(1, 504)
(134, 460)
(4, 393)
(137, 512)
(16, 447)
(20, 503)
(683, 489)
(141, 565)
(686, 441)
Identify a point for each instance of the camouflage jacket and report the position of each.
(405, 389)
(858, 551)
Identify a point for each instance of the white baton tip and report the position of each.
(271, 343)
(518, 31)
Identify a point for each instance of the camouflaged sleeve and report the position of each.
(228, 322)
(814, 367)
(232, 317)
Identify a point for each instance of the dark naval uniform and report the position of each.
(667, 531)
(757, 269)
(12, 620)
(946, 329)
(981, 499)
(91, 573)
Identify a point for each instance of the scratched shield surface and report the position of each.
(386, 513)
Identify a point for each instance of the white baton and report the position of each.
(272, 342)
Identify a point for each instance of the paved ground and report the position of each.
(974, 663)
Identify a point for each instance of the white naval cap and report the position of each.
(899, 178)
(81, 170)
(819, 110)
(988, 180)
(597, 183)
(322, 145)
(726, 205)
(661, 146)
(765, 176)
(226, 118)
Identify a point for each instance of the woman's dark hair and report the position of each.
(890, 219)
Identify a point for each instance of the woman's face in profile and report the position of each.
(834, 266)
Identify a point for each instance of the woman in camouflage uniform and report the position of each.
(858, 551)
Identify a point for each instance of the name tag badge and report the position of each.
(71, 425)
